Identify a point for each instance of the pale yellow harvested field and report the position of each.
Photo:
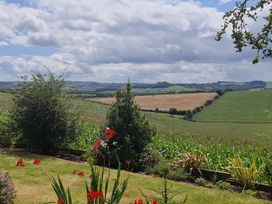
(187, 101)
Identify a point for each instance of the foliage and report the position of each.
(268, 171)
(246, 175)
(64, 197)
(165, 192)
(43, 113)
(190, 161)
(100, 183)
(132, 128)
(250, 192)
(201, 181)
(238, 18)
(150, 157)
(223, 185)
(7, 191)
(97, 192)
(6, 134)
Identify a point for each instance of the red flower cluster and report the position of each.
(36, 162)
(60, 201)
(94, 194)
(109, 133)
(140, 201)
(81, 173)
(20, 163)
(96, 145)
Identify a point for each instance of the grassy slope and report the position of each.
(33, 185)
(247, 106)
(247, 133)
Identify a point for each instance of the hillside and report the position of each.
(250, 106)
(258, 133)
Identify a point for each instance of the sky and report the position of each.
(116, 40)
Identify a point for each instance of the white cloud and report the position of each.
(221, 2)
(105, 40)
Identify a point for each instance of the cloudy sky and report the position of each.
(113, 40)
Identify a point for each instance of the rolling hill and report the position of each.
(244, 107)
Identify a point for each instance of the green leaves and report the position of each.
(238, 19)
(58, 187)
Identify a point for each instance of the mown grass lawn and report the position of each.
(33, 184)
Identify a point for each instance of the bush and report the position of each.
(43, 113)
(268, 172)
(223, 185)
(250, 192)
(150, 157)
(133, 133)
(190, 161)
(6, 134)
(163, 169)
(246, 175)
(7, 192)
(201, 181)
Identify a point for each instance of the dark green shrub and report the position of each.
(6, 133)
(268, 172)
(162, 168)
(201, 181)
(133, 133)
(150, 157)
(7, 192)
(43, 113)
(223, 185)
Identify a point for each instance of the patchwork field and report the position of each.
(187, 101)
(246, 107)
(230, 132)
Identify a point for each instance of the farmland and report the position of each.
(218, 141)
(187, 101)
(246, 107)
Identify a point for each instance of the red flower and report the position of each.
(99, 195)
(128, 163)
(81, 173)
(36, 162)
(91, 195)
(20, 163)
(94, 194)
(155, 202)
(140, 201)
(96, 145)
(60, 201)
(109, 133)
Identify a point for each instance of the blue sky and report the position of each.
(110, 41)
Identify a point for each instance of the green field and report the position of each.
(259, 133)
(246, 133)
(246, 107)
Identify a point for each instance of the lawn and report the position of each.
(33, 184)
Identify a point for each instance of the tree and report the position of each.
(242, 37)
(132, 129)
(43, 113)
